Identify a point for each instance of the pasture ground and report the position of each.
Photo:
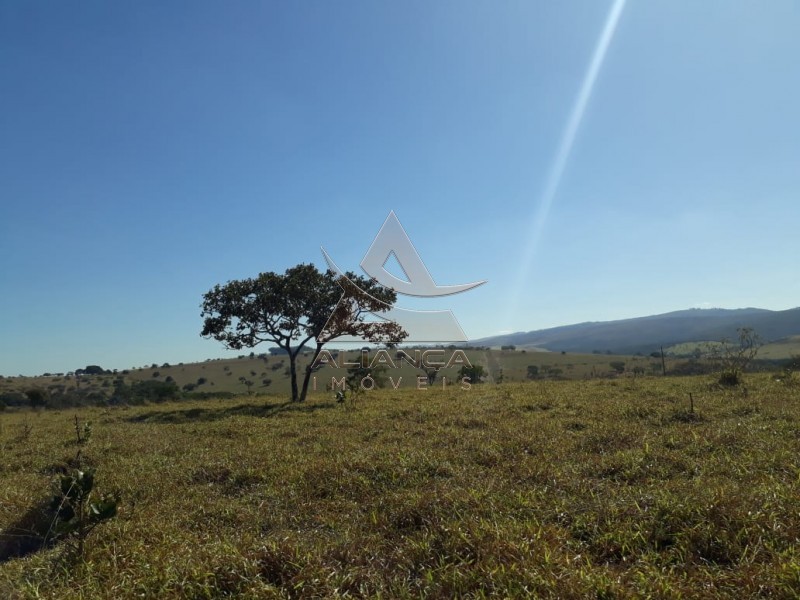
(559, 489)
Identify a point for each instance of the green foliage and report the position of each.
(61, 396)
(73, 511)
(78, 511)
(153, 391)
(295, 308)
(82, 434)
(431, 375)
(618, 366)
(14, 398)
(91, 370)
(361, 379)
(474, 373)
(208, 395)
(37, 397)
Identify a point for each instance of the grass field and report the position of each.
(559, 489)
(775, 350)
(269, 374)
(782, 348)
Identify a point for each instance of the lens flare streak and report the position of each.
(562, 155)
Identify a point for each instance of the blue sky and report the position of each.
(150, 150)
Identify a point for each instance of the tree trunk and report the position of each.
(293, 373)
(307, 377)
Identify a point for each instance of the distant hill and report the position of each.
(647, 334)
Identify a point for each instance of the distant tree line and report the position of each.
(92, 370)
(119, 393)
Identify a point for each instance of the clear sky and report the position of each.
(591, 159)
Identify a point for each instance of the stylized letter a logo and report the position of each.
(421, 326)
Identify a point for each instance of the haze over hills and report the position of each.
(647, 334)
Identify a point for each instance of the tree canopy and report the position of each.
(301, 306)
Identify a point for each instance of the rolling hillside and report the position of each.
(646, 334)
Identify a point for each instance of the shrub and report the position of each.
(207, 395)
(37, 397)
(475, 373)
(734, 357)
(155, 391)
(13, 398)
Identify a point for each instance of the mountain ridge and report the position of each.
(649, 333)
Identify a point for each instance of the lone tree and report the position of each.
(37, 397)
(618, 366)
(734, 357)
(301, 306)
(475, 373)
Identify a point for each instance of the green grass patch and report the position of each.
(561, 489)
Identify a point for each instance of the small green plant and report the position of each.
(82, 434)
(25, 431)
(361, 379)
(77, 510)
